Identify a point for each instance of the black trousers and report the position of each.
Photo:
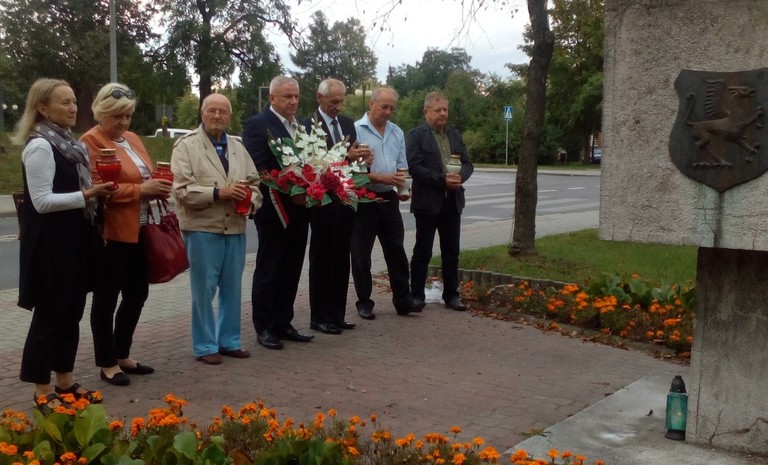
(329, 262)
(382, 221)
(53, 336)
(125, 272)
(279, 261)
(448, 225)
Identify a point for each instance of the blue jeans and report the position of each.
(215, 261)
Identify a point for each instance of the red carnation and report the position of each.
(330, 181)
(316, 191)
(308, 173)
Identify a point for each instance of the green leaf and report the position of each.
(52, 430)
(90, 420)
(93, 451)
(186, 443)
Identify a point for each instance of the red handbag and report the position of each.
(163, 247)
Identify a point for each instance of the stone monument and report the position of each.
(685, 155)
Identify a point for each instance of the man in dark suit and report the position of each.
(282, 226)
(332, 223)
(438, 197)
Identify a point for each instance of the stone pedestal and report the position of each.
(728, 392)
(646, 198)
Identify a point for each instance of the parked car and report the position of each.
(597, 155)
(173, 133)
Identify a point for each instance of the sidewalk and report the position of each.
(421, 373)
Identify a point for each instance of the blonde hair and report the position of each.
(105, 104)
(39, 93)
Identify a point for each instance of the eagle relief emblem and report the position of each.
(718, 137)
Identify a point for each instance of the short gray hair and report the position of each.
(377, 93)
(279, 81)
(433, 97)
(325, 86)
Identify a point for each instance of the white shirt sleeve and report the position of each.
(40, 169)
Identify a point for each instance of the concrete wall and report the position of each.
(644, 197)
(728, 399)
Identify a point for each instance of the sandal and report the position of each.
(47, 404)
(80, 392)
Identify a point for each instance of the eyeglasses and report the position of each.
(386, 107)
(117, 94)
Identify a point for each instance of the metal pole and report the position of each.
(506, 148)
(2, 110)
(112, 42)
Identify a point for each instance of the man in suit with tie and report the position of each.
(282, 226)
(332, 223)
(438, 197)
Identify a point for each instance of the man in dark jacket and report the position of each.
(282, 226)
(438, 196)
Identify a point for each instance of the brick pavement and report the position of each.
(419, 373)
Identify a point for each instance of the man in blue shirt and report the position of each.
(388, 174)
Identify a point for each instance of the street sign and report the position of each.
(508, 112)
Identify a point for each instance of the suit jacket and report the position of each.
(426, 168)
(257, 132)
(197, 170)
(346, 126)
(121, 217)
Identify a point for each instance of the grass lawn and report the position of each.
(577, 256)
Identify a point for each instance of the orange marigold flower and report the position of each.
(455, 429)
(649, 334)
(489, 454)
(319, 418)
(355, 420)
(553, 453)
(8, 449)
(67, 398)
(459, 459)
(116, 426)
(566, 454)
(137, 424)
(82, 461)
(28, 454)
(34, 462)
(659, 334)
(227, 412)
(332, 412)
(478, 441)
(373, 418)
(518, 455)
(68, 457)
(599, 462)
(353, 452)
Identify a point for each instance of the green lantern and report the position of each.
(677, 410)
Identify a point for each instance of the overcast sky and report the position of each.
(491, 39)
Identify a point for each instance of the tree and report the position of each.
(217, 36)
(524, 230)
(432, 72)
(575, 94)
(68, 40)
(337, 51)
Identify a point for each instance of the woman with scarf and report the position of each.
(59, 240)
(125, 212)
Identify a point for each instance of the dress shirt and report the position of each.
(329, 124)
(388, 150)
(290, 126)
(40, 168)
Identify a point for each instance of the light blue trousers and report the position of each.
(215, 261)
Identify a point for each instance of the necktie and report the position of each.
(221, 151)
(336, 133)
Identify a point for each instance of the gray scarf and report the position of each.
(73, 151)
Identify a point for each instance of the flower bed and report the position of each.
(632, 309)
(79, 433)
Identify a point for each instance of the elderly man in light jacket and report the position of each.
(211, 173)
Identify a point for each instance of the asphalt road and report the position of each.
(490, 197)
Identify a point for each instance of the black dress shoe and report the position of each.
(367, 314)
(292, 334)
(456, 304)
(347, 325)
(327, 328)
(118, 379)
(139, 369)
(268, 340)
(403, 311)
(417, 305)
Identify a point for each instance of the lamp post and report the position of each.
(364, 91)
(260, 89)
(112, 42)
